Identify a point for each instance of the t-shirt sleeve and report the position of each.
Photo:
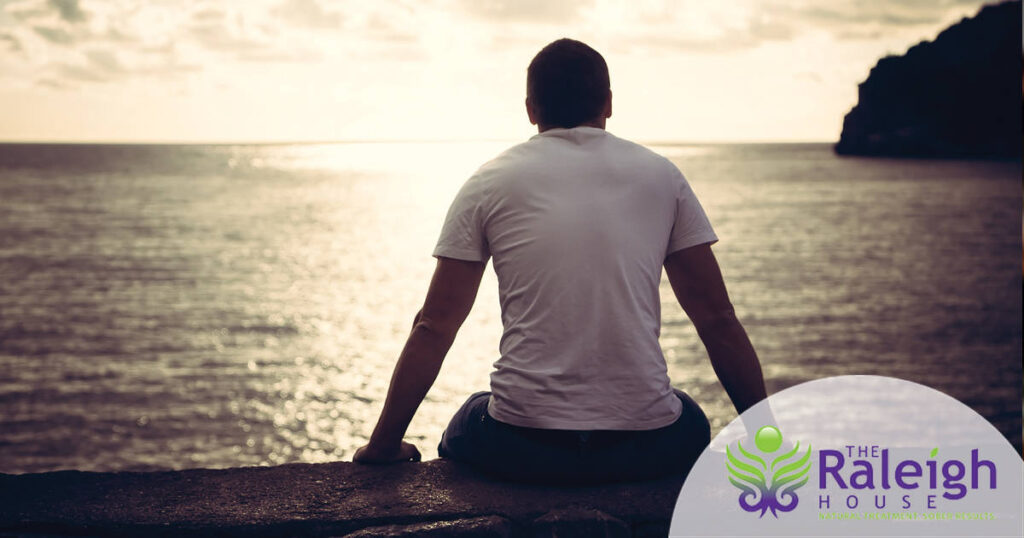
(691, 226)
(462, 235)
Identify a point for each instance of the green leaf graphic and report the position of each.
(786, 456)
(934, 452)
(751, 474)
(741, 476)
(794, 471)
(751, 456)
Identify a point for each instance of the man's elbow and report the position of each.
(416, 318)
(718, 322)
(442, 329)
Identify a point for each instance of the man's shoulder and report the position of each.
(642, 153)
(506, 163)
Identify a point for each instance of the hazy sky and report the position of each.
(265, 70)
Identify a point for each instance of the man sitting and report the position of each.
(579, 224)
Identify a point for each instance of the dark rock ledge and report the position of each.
(435, 498)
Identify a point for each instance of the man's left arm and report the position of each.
(450, 298)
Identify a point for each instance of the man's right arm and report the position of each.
(699, 287)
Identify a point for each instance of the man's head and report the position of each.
(567, 85)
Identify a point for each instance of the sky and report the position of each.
(326, 70)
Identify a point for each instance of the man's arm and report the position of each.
(449, 300)
(698, 285)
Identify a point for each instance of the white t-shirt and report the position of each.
(579, 223)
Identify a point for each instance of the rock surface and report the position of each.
(957, 96)
(435, 498)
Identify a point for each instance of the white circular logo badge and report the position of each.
(855, 456)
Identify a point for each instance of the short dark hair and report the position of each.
(568, 84)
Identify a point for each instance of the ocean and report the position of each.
(181, 306)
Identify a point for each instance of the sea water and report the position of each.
(168, 307)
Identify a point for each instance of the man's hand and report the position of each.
(372, 454)
(449, 300)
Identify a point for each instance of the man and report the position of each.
(579, 224)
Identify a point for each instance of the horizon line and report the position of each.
(109, 142)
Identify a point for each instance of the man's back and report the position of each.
(579, 223)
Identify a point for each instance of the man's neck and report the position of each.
(599, 123)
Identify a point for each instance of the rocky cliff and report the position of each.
(956, 96)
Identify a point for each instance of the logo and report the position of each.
(877, 456)
(767, 483)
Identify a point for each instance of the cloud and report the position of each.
(723, 28)
(529, 11)
(208, 15)
(307, 14)
(58, 22)
(682, 43)
(99, 65)
(214, 31)
(68, 42)
(279, 55)
(762, 28)
(69, 10)
(903, 13)
(852, 19)
(26, 11)
(235, 34)
(104, 60)
(54, 35)
(52, 84)
(80, 73)
(379, 26)
(711, 31)
(12, 43)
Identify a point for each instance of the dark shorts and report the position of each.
(569, 456)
